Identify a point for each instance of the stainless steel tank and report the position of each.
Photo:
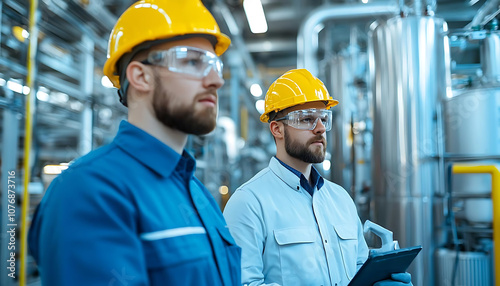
(471, 122)
(472, 129)
(409, 70)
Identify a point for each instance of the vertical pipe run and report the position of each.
(1, 21)
(86, 86)
(3, 241)
(235, 97)
(86, 132)
(495, 195)
(10, 138)
(30, 98)
(244, 123)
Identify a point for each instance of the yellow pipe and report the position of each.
(30, 81)
(495, 196)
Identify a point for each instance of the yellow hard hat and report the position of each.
(295, 87)
(150, 20)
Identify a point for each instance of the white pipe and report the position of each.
(488, 7)
(307, 39)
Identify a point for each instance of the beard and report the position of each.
(302, 152)
(184, 118)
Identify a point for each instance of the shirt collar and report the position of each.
(316, 178)
(293, 170)
(151, 152)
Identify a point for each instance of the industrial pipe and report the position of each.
(307, 39)
(495, 196)
(482, 13)
(30, 81)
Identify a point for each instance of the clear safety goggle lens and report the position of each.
(186, 60)
(307, 119)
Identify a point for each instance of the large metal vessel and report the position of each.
(409, 74)
(472, 129)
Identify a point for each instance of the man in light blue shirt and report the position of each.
(294, 227)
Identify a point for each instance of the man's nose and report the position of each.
(212, 79)
(320, 127)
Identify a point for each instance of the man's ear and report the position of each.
(277, 129)
(139, 76)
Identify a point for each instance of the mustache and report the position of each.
(316, 139)
(209, 92)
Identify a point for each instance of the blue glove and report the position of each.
(397, 279)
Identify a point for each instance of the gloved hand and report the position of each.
(397, 279)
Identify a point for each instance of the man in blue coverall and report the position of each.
(132, 212)
(294, 226)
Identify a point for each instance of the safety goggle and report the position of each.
(307, 119)
(186, 60)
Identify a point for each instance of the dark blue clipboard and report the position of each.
(380, 266)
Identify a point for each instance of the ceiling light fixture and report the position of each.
(255, 16)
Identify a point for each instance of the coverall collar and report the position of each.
(138, 144)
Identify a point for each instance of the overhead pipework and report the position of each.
(307, 39)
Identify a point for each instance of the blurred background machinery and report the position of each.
(416, 137)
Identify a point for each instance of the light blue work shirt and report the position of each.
(289, 237)
(132, 213)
